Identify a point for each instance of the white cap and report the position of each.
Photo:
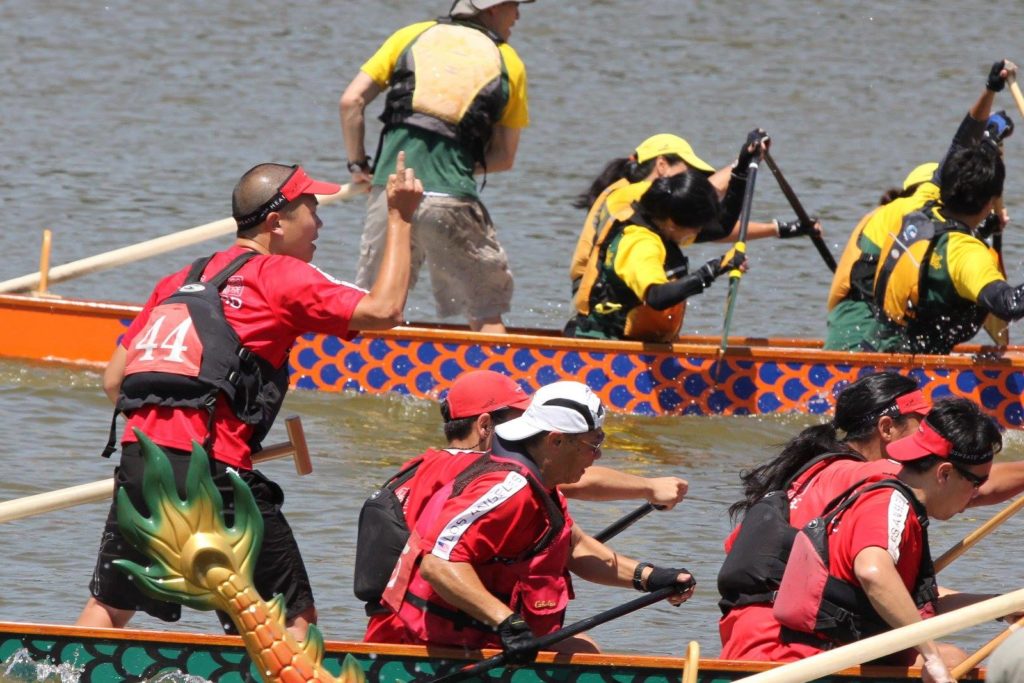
(470, 8)
(563, 407)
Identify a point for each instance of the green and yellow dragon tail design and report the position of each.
(200, 562)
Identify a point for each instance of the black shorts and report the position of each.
(279, 567)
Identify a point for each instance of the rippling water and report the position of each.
(124, 121)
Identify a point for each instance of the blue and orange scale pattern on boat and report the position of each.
(644, 383)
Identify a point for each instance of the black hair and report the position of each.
(689, 199)
(858, 408)
(616, 169)
(455, 428)
(970, 178)
(894, 193)
(972, 432)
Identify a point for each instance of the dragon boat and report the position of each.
(754, 376)
(134, 655)
(197, 559)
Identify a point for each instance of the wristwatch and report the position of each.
(360, 166)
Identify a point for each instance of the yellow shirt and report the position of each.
(888, 219)
(382, 64)
(640, 259)
(971, 265)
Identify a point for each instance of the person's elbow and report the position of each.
(871, 576)
(112, 388)
(351, 101)
(378, 313)
(432, 569)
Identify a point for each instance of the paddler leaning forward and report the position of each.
(488, 560)
(639, 259)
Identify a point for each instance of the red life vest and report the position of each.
(541, 587)
(812, 602)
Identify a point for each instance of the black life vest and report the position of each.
(903, 282)
(188, 356)
(610, 300)
(812, 602)
(753, 569)
(469, 104)
(381, 535)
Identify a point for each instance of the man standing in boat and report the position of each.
(214, 370)
(456, 104)
(488, 561)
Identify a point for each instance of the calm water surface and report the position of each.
(124, 121)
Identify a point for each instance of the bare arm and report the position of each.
(459, 584)
(501, 152)
(604, 483)
(1005, 481)
(878, 577)
(352, 109)
(382, 308)
(594, 561)
(114, 373)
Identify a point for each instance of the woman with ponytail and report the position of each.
(624, 179)
(821, 460)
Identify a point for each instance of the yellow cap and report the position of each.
(921, 174)
(666, 143)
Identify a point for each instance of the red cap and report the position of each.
(914, 402)
(926, 441)
(484, 391)
(297, 184)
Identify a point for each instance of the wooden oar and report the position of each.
(626, 521)
(741, 247)
(831, 661)
(692, 662)
(544, 642)
(1017, 96)
(30, 506)
(974, 660)
(963, 545)
(153, 247)
(801, 214)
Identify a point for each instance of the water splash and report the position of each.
(21, 667)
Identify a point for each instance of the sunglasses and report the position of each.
(595, 447)
(971, 477)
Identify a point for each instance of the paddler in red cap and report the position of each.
(195, 367)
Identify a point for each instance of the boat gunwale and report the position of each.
(741, 348)
(617, 659)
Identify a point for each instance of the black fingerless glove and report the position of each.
(794, 228)
(754, 139)
(667, 578)
(995, 81)
(517, 640)
(737, 260)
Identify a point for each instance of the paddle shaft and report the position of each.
(692, 662)
(831, 661)
(1017, 96)
(963, 667)
(968, 541)
(626, 521)
(96, 491)
(550, 639)
(801, 214)
(741, 246)
(153, 247)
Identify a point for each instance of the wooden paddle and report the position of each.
(544, 642)
(153, 247)
(692, 662)
(30, 506)
(626, 521)
(883, 644)
(801, 214)
(1017, 96)
(965, 666)
(963, 545)
(741, 245)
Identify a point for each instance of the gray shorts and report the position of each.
(469, 270)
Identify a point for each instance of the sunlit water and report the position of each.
(124, 121)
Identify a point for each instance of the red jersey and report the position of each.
(269, 302)
(750, 632)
